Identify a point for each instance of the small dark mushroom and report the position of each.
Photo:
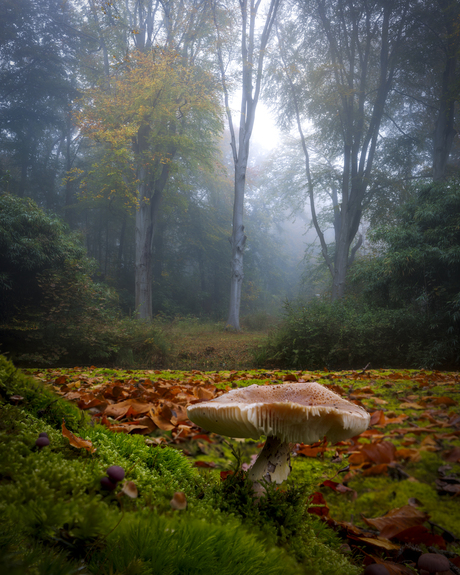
(433, 563)
(116, 473)
(107, 484)
(43, 434)
(42, 442)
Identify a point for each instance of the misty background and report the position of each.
(112, 120)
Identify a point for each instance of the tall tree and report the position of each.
(159, 112)
(339, 62)
(253, 46)
(38, 48)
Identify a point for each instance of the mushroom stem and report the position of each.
(273, 463)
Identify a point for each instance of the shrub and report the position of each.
(348, 334)
(403, 307)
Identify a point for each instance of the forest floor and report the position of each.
(394, 487)
(209, 346)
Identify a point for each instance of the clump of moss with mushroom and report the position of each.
(69, 510)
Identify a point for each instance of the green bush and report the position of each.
(51, 310)
(403, 304)
(348, 334)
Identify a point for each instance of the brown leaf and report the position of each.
(161, 416)
(117, 410)
(317, 505)
(209, 464)
(338, 487)
(203, 393)
(76, 441)
(397, 520)
(419, 535)
(453, 455)
(357, 458)
(444, 400)
(429, 444)
(308, 451)
(407, 454)
(381, 469)
(381, 452)
(379, 543)
(377, 418)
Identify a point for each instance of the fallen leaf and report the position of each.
(443, 401)
(375, 470)
(76, 441)
(397, 520)
(161, 416)
(453, 455)
(419, 535)
(381, 452)
(317, 505)
(308, 451)
(378, 542)
(338, 487)
(117, 410)
(407, 454)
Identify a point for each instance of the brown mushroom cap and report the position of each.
(294, 413)
(376, 569)
(433, 562)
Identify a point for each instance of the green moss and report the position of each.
(378, 495)
(37, 398)
(282, 514)
(152, 544)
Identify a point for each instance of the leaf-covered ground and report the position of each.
(387, 492)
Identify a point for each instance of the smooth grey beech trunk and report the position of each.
(237, 241)
(252, 71)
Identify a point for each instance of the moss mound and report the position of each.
(58, 519)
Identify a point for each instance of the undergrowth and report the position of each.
(348, 334)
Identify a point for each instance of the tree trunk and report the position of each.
(143, 270)
(146, 217)
(252, 69)
(237, 241)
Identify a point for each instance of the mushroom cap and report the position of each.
(433, 562)
(293, 412)
(376, 569)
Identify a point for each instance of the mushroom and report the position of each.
(433, 563)
(286, 413)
